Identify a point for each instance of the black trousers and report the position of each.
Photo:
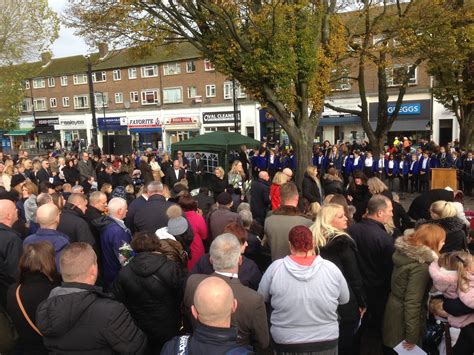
(423, 186)
(465, 343)
(413, 183)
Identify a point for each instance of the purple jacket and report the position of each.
(57, 239)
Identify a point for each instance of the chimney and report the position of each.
(46, 57)
(103, 50)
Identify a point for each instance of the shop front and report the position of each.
(413, 121)
(46, 133)
(177, 129)
(109, 126)
(146, 132)
(75, 132)
(340, 128)
(19, 138)
(220, 121)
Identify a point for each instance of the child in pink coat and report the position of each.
(453, 275)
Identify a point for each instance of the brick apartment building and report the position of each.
(168, 96)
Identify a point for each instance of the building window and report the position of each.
(118, 98)
(64, 80)
(398, 73)
(66, 101)
(99, 76)
(210, 90)
(53, 103)
(81, 101)
(208, 66)
(51, 82)
(171, 69)
(39, 104)
(26, 84)
(150, 97)
(240, 92)
(134, 96)
(172, 95)
(101, 99)
(149, 71)
(192, 92)
(190, 66)
(26, 105)
(132, 73)
(39, 83)
(378, 40)
(117, 75)
(79, 79)
(341, 82)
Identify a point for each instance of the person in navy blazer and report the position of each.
(368, 164)
(403, 168)
(424, 169)
(444, 159)
(379, 167)
(335, 158)
(321, 162)
(391, 170)
(357, 161)
(413, 172)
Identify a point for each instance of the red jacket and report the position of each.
(275, 196)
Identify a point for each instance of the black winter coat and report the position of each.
(455, 235)
(333, 187)
(71, 175)
(420, 207)
(260, 199)
(34, 289)
(121, 179)
(11, 248)
(342, 251)
(311, 190)
(151, 216)
(80, 319)
(73, 224)
(360, 199)
(151, 287)
(217, 185)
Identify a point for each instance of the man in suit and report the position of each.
(174, 174)
(85, 168)
(197, 166)
(44, 174)
(250, 315)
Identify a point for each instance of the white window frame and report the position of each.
(190, 66)
(39, 83)
(390, 77)
(172, 68)
(134, 96)
(85, 99)
(26, 104)
(36, 101)
(378, 40)
(76, 77)
(118, 96)
(26, 84)
(65, 101)
(98, 98)
(208, 66)
(153, 68)
(103, 77)
(53, 103)
(190, 94)
(64, 80)
(240, 92)
(117, 75)
(343, 84)
(166, 100)
(51, 82)
(132, 73)
(211, 90)
(156, 96)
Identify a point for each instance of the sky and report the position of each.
(67, 44)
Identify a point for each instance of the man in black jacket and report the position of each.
(174, 174)
(260, 197)
(151, 216)
(44, 174)
(134, 207)
(72, 221)
(213, 305)
(78, 318)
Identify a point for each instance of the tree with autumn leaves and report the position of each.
(282, 52)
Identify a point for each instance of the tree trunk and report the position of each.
(466, 136)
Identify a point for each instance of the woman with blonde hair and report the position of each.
(444, 214)
(311, 185)
(406, 309)
(218, 181)
(236, 176)
(278, 180)
(376, 186)
(338, 247)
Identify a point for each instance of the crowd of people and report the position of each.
(149, 253)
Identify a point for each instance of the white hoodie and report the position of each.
(304, 299)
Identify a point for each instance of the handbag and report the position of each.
(20, 304)
(433, 335)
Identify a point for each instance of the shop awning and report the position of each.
(18, 132)
(145, 130)
(339, 121)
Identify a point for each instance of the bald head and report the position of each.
(288, 172)
(214, 302)
(263, 175)
(8, 213)
(48, 216)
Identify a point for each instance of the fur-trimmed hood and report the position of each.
(288, 211)
(444, 280)
(421, 253)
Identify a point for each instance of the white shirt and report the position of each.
(412, 165)
(401, 165)
(356, 161)
(425, 161)
(368, 162)
(176, 172)
(391, 163)
(381, 163)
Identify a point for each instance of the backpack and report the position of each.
(182, 348)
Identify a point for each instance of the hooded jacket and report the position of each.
(80, 319)
(151, 287)
(405, 313)
(307, 313)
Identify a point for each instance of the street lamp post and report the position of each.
(92, 100)
(234, 99)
